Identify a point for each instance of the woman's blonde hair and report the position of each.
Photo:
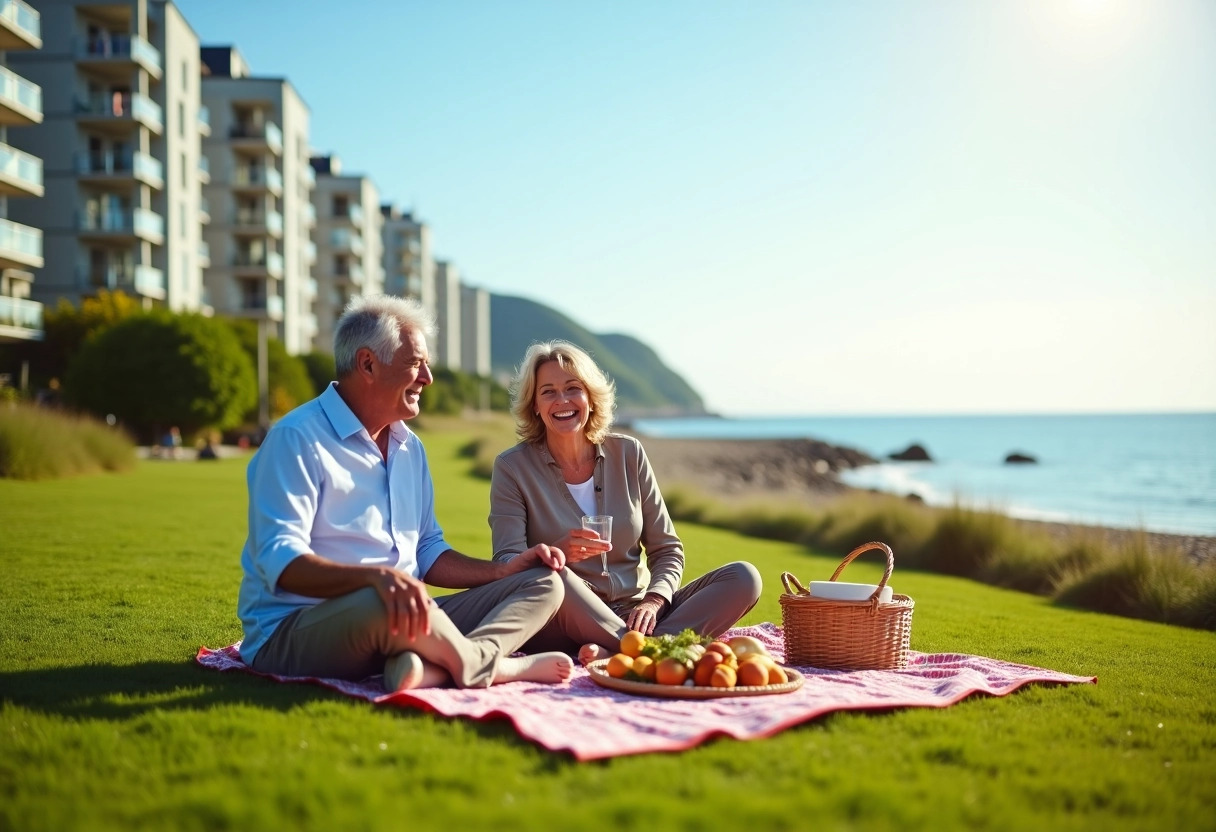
(601, 391)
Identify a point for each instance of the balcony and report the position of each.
(20, 173)
(204, 210)
(144, 281)
(258, 179)
(310, 215)
(204, 254)
(204, 121)
(268, 264)
(204, 169)
(310, 252)
(350, 273)
(308, 325)
(116, 54)
(310, 289)
(20, 26)
(20, 100)
(266, 136)
(341, 239)
(20, 246)
(120, 168)
(120, 111)
(255, 306)
(352, 214)
(119, 224)
(258, 223)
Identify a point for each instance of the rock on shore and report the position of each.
(727, 467)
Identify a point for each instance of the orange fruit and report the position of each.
(705, 668)
(670, 672)
(720, 647)
(753, 673)
(644, 668)
(777, 675)
(632, 643)
(722, 677)
(619, 665)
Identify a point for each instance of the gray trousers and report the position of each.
(348, 637)
(710, 605)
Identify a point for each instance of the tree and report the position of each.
(321, 369)
(66, 329)
(289, 381)
(156, 370)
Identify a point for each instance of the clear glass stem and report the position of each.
(604, 563)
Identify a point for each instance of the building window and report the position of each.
(181, 119)
(185, 174)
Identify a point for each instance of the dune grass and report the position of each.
(113, 582)
(1082, 570)
(40, 443)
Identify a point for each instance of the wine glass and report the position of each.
(601, 524)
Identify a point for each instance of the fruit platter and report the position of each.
(688, 666)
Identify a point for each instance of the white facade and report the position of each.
(20, 177)
(446, 352)
(475, 331)
(259, 200)
(409, 268)
(120, 148)
(348, 242)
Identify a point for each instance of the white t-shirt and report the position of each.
(584, 494)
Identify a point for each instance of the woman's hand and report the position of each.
(645, 615)
(407, 601)
(581, 544)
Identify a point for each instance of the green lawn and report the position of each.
(113, 582)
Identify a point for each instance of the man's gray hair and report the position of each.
(375, 322)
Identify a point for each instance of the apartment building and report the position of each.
(447, 315)
(259, 200)
(20, 177)
(409, 268)
(348, 242)
(120, 146)
(475, 330)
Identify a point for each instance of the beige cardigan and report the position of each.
(530, 504)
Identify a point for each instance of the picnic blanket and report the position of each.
(592, 722)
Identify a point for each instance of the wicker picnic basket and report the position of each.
(846, 635)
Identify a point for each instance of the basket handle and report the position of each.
(788, 578)
(886, 575)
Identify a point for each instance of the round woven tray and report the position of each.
(600, 676)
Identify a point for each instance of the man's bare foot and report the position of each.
(547, 668)
(408, 670)
(589, 653)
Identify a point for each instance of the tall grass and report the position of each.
(1081, 570)
(37, 443)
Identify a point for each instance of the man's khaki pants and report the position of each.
(348, 637)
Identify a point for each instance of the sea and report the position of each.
(1155, 472)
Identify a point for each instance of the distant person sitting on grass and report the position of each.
(342, 534)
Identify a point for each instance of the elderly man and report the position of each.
(342, 534)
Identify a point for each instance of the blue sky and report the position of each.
(805, 207)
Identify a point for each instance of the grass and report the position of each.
(113, 582)
(40, 443)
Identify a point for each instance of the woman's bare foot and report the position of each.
(589, 653)
(547, 668)
(408, 670)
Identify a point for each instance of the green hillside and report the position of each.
(644, 384)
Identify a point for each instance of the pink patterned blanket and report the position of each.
(592, 722)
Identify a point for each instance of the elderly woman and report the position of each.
(568, 465)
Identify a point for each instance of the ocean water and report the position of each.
(1155, 472)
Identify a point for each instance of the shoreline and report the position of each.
(805, 471)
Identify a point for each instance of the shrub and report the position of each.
(36, 443)
(321, 369)
(156, 370)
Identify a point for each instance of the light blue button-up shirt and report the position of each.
(319, 485)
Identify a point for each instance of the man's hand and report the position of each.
(407, 601)
(538, 555)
